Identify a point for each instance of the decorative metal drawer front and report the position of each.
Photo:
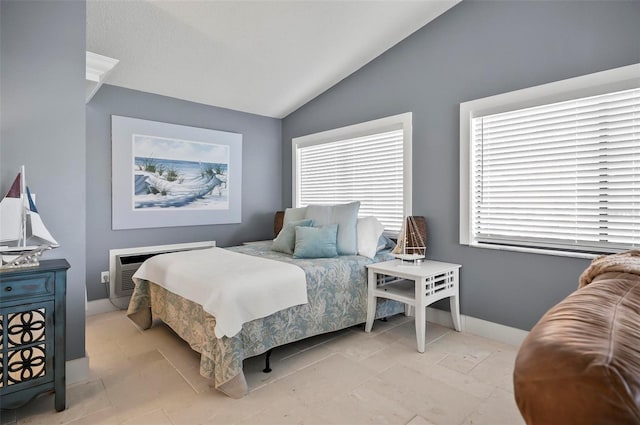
(26, 348)
(28, 286)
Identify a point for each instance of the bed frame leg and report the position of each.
(267, 368)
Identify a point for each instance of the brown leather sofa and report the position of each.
(580, 364)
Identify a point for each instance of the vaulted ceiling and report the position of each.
(262, 57)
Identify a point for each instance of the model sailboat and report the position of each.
(411, 242)
(23, 235)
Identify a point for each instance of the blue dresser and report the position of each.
(32, 325)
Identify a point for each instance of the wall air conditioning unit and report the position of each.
(123, 263)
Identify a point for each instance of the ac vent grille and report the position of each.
(127, 281)
(123, 264)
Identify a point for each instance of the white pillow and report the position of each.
(294, 214)
(369, 231)
(345, 216)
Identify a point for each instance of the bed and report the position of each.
(336, 291)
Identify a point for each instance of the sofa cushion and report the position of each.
(580, 364)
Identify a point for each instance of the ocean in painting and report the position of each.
(171, 183)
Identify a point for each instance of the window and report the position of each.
(555, 167)
(368, 162)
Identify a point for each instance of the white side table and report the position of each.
(416, 285)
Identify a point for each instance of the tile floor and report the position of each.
(347, 377)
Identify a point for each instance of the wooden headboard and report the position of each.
(277, 223)
(420, 222)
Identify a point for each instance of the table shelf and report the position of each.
(401, 290)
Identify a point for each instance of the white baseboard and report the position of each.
(483, 328)
(77, 370)
(104, 305)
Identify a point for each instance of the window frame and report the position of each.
(617, 79)
(396, 122)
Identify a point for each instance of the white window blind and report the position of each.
(561, 176)
(369, 169)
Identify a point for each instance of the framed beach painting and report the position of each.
(166, 175)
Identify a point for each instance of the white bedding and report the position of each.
(235, 288)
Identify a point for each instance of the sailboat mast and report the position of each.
(23, 198)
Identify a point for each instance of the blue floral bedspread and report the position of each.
(337, 293)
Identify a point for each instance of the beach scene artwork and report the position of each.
(179, 174)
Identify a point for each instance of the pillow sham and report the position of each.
(345, 216)
(369, 230)
(294, 214)
(285, 240)
(316, 242)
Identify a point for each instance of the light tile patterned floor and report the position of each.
(348, 377)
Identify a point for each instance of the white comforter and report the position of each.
(235, 288)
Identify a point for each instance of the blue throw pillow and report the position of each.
(316, 242)
(345, 216)
(285, 240)
(385, 243)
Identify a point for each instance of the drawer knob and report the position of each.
(8, 289)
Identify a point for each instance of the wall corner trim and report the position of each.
(77, 370)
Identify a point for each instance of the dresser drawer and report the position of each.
(32, 333)
(32, 285)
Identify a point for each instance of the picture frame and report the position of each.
(167, 175)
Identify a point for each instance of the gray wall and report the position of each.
(261, 175)
(477, 49)
(42, 80)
